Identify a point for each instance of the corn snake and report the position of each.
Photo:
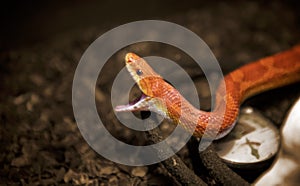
(256, 77)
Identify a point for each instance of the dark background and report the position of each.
(28, 22)
(41, 43)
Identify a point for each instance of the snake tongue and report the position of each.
(140, 104)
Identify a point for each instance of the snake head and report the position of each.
(144, 76)
(148, 81)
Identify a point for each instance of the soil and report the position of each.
(40, 141)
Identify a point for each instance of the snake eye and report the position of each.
(139, 72)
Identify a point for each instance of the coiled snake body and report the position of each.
(159, 96)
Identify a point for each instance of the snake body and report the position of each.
(159, 96)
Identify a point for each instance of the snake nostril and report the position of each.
(128, 58)
(131, 57)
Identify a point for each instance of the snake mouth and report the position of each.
(139, 104)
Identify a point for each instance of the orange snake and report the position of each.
(159, 96)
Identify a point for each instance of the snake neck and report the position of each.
(215, 124)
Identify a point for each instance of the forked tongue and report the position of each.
(140, 104)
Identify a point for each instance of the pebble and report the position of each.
(108, 170)
(139, 171)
